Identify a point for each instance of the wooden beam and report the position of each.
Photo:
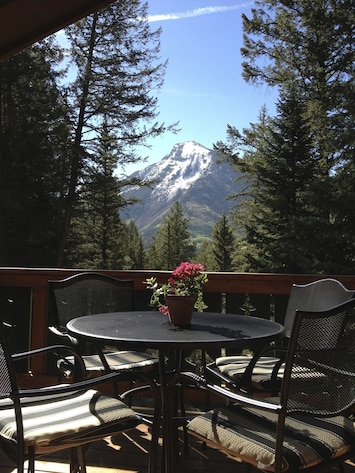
(24, 22)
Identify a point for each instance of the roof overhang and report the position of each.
(24, 22)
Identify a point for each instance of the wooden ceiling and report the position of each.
(23, 22)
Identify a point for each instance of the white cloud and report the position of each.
(196, 12)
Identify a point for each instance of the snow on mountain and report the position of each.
(188, 174)
(181, 168)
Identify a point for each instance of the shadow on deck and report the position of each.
(128, 453)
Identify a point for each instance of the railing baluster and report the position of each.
(230, 292)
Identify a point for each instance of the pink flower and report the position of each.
(188, 270)
(164, 309)
(188, 279)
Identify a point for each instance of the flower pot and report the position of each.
(180, 309)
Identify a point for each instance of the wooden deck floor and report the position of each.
(128, 453)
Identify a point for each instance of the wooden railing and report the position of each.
(258, 294)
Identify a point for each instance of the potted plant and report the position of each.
(181, 294)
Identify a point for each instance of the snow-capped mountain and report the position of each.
(188, 174)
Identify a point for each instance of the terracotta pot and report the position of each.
(180, 309)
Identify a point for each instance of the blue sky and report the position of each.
(203, 87)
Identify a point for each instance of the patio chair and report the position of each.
(35, 422)
(263, 372)
(308, 425)
(94, 293)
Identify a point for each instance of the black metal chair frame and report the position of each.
(13, 397)
(120, 298)
(66, 305)
(318, 295)
(320, 365)
(63, 311)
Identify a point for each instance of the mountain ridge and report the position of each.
(191, 175)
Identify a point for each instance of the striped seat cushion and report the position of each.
(235, 366)
(249, 434)
(121, 360)
(67, 420)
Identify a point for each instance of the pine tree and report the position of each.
(306, 49)
(115, 56)
(97, 227)
(172, 244)
(306, 42)
(309, 43)
(223, 244)
(205, 255)
(34, 150)
(134, 252)
(277, 216)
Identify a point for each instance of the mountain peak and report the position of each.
(180, 169)
(188, 174)
(187, 149)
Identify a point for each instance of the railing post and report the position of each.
(39, 326)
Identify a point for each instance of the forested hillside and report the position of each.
(72, 117)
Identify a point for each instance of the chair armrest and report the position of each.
(63, 335)
(212, 373)
(225, 394)
(72, 387)
(59, 351)
(244, 383)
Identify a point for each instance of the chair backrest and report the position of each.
(9, 390)
(89, 293)
(7, 375)
(319, 376)
(316, 296)
(319, 373)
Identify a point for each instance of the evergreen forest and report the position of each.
(73, 116)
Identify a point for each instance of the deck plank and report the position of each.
(128, 453)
